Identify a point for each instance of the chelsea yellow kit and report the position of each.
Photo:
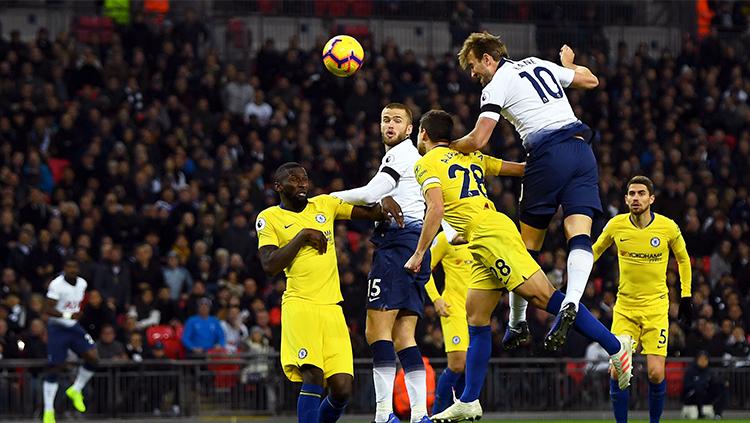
(313, 328)
(457, 263)
(500, 257)
(642, 306)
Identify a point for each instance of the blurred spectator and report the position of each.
(113, 279)
(96, 314)
(702, 388)
(235, 331)
(135, 348)
(176, 277)
(108, 347)
(203, 332)
(462, 23)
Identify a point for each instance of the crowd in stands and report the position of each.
(148, 158)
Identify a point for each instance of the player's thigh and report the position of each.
(455, 331)
(655, 330)
(302, 335)
(58, 343)
(544, 177)
(391, 287)
(83, 344)
(379, 325)
(627, 321)
(337, 347)
(480, 303)
(497, 245)
(580, 194)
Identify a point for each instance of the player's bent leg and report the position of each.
(310, 395)
(379, 334)
(85, 372)
(333, 406)
(49, 389)
(657, 386)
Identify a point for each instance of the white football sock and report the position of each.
(50, 390)
(416, 387)
(82, 378)
(383, 378)
(580, 263)
(517, 309)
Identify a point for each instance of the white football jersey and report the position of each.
(399, 162)
(529, 94)
(68, 297)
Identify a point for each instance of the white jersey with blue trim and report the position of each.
(68, 297)
(398, 162)
(529, 94)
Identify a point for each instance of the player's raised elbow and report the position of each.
(589, 81)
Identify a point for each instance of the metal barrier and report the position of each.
(231, 387)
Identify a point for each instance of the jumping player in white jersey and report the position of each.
(395, 295)
(560, 170)
(64, 297)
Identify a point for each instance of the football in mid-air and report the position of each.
(343, 55)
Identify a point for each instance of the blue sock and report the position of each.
(444, 390)
(308, 403)
(477, 358)
(460, 385)
(656, 392)
(586, 324)
(411, 359)
(620, 400)
(330, 410)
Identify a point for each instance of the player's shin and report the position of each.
(85, 373)
(477, 358)
(587, 324)
(416, 381)
(50, 391)
(444, 391)
(331, 410)
(384, 374)
(308, 403)
(580, 262)
(517, 309)
(656, 393)
(620, 399)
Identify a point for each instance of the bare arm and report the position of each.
(432, 218)
(388, 207)
(583, 77)
(50, 308)
(477, 138)
(274, 259)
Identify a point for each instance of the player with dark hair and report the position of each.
(297, 237)
(64, 296)
(643, 240)
(454, 188)
(561, 169)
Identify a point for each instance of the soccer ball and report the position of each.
(343, 55)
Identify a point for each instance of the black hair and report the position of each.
(283, 170)
(438, 124)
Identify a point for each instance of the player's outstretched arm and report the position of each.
(583, 77)
(477, 138)
(433, 216)
(388, 208)
(378, 187)
(274, 259)
(498, 167)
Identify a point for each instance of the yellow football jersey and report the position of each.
(643, 255)
(461, 178)
(310, 276)
(456, 260)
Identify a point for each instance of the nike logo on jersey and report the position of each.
(659, 346)
(288, 226)
(624, 239)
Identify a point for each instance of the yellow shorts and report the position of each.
(315, 335)
(455, 330)
(648, 326)
(500, 257)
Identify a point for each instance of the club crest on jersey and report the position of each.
(388, 158)
(456, 340)
(484, 97)
(302, 353)
(655, 242)
(320, 218)
(260, 224)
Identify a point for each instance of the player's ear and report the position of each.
(277, 186)
(409, 128)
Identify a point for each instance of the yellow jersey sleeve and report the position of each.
(679, 248)
(339, 209)
(426, 174)
(492, 165)
(438, 250)
(266, 232)
(604, 241)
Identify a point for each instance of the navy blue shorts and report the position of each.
(560, 171)
(60, 339)
(390, 286)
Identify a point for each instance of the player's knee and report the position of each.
(655, 374)
(312, 375)
(457, 365)
(341, 387)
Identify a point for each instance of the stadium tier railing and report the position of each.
(247, 385)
